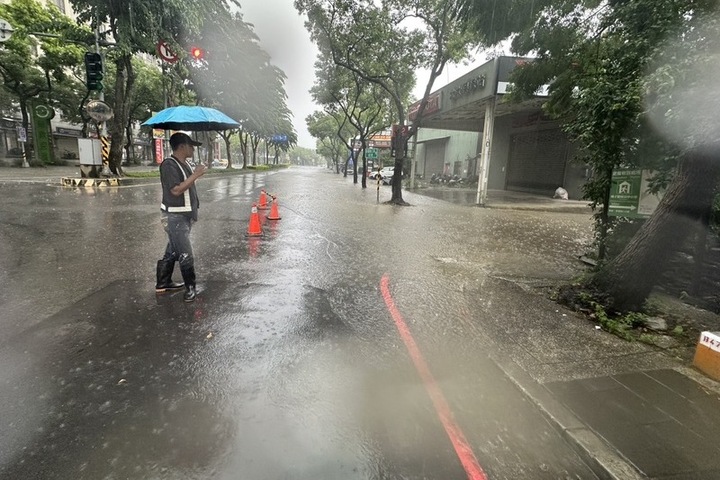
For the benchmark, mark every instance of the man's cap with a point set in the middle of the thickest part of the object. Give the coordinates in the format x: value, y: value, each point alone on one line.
x: 181, y: 138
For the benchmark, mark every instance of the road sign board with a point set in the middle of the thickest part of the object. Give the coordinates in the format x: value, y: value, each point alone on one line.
x: 5, y: 30
x: 163, y: 49
x: 21, y: 134
x: 629, y: 196
x: 371, y: 153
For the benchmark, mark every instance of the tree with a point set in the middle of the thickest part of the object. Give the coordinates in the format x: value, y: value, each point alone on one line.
x: 330, y: 132
x: 380, y: 43
x: 50, y: 76
x: 610, y: 68
x: 146, y: 97
x: 304, y: 156
x: 676, y: 104
x: 137, y: 26
x: 363, y: 105
x: 241, y: 81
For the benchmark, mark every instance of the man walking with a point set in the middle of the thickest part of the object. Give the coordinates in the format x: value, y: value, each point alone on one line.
x: 179, y: 211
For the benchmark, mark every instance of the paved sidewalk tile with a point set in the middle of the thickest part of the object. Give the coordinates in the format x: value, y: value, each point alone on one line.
x: 664, y: 423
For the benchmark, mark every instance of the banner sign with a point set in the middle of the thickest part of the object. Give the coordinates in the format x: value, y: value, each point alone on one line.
x: 42, y: 133
x: 159, y: 154
x: 629, y: 195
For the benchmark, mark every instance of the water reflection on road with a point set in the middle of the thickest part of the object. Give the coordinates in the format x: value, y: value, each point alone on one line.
x: 289, y: 364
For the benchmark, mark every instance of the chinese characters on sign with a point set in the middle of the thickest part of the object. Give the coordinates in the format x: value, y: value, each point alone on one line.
x: 433, y: 105
x: 629, y: 195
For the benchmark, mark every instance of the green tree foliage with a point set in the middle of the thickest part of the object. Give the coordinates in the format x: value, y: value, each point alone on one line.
x: 386, y: 42
x: 136, y: 26
x: 38, y: 68
x: 330, y: 132
x: 626, y: 77
x: 304, y: 156
x: 237, y: 76
x: 363, y: 105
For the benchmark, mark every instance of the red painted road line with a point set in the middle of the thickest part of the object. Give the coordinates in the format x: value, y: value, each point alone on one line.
x: 457, y: 438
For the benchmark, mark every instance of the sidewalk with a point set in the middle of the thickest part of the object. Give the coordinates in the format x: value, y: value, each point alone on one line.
x: 633, y: 411
x: 505, y: 199
x: 55, y: 174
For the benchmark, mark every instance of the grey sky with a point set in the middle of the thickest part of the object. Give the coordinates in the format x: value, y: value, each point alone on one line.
x: 283, y: 35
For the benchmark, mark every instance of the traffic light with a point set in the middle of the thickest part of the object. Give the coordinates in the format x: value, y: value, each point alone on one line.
x: 94, y: 71
x: 197, y: 53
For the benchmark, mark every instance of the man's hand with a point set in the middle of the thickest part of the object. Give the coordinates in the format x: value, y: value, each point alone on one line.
x: 200, y: 170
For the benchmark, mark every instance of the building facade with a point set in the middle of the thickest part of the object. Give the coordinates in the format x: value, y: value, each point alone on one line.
x: 469, y: 130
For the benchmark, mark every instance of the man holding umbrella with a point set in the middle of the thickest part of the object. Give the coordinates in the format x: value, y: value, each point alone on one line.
x: 179, y: 211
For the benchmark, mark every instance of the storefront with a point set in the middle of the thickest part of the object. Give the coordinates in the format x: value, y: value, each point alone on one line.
x: 516, y: 146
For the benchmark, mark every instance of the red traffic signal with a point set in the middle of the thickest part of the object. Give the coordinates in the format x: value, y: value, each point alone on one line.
x: 197, y: 53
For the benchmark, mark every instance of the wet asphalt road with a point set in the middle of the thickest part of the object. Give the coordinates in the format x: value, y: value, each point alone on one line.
x: 289, y: 365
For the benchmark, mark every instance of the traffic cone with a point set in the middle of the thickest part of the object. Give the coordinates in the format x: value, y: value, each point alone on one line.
x: 254, y: 228
x: 262, y: 202
x: 274, y: 214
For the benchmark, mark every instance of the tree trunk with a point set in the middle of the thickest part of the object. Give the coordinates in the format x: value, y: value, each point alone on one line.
x: 400, y: 147
x: 605, y: 217
x: 243, y: 147
x: 630, y: 277
x: 254, y: 143
x: 123, y: 94
x: 227, y: 149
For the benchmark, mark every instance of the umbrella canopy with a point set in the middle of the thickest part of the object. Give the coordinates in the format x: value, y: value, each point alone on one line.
x: 191, y: 118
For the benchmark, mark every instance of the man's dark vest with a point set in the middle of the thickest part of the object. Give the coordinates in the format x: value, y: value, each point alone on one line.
x: 171, y: 203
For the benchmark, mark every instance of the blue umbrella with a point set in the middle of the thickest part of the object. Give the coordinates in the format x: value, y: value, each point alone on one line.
x: 191, y: 118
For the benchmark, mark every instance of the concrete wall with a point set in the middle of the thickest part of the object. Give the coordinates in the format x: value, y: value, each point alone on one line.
x: 439, y: 149
x: 500, y: 153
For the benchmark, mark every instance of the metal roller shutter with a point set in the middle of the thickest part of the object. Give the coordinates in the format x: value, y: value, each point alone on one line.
x: 537, y: 161
x: 435, y: 156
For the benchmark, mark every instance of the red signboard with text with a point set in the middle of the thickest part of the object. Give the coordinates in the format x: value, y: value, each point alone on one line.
x: 159, y: 155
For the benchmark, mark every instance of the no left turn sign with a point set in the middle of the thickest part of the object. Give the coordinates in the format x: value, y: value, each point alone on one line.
x: 165, y: 53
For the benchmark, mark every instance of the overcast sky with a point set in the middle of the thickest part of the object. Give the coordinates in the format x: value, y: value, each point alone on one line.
x: 283, y: 35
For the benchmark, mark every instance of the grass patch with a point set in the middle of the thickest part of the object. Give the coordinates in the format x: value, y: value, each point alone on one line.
x: 630, y: 326
x: 213, y: 171
x: 152, y: 174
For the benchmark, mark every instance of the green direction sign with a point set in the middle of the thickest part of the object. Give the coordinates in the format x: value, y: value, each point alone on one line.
x: 42, y: 134
x: 371, y: 153
x: 629, y: 195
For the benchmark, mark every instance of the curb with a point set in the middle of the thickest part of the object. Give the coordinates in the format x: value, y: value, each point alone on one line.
x: 105, y: 182
x: 605, y: 461
x: 90, y: 182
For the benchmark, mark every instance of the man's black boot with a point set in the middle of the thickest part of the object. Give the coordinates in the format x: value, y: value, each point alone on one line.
x: 190, y: 293
x: 164, y: 278
x: 188, y: 274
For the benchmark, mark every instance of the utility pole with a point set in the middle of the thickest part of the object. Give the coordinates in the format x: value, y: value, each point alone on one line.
x: 103, y: 125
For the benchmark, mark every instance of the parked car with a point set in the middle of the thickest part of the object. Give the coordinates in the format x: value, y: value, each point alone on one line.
x: 373, y: 174
x: 386, y: 174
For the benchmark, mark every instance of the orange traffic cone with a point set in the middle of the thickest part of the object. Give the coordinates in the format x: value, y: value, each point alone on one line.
x: 274, y: 214
x: 254, y: 228
x: 262, y: 202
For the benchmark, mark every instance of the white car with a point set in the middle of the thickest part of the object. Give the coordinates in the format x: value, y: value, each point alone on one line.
x: 386, y: 174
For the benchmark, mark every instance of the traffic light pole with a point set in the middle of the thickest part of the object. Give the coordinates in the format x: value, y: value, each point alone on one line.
x: 103, y: 125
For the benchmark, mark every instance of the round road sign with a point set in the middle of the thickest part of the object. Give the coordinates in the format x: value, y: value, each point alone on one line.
x: 163, y: 49
x: 5, y: 30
